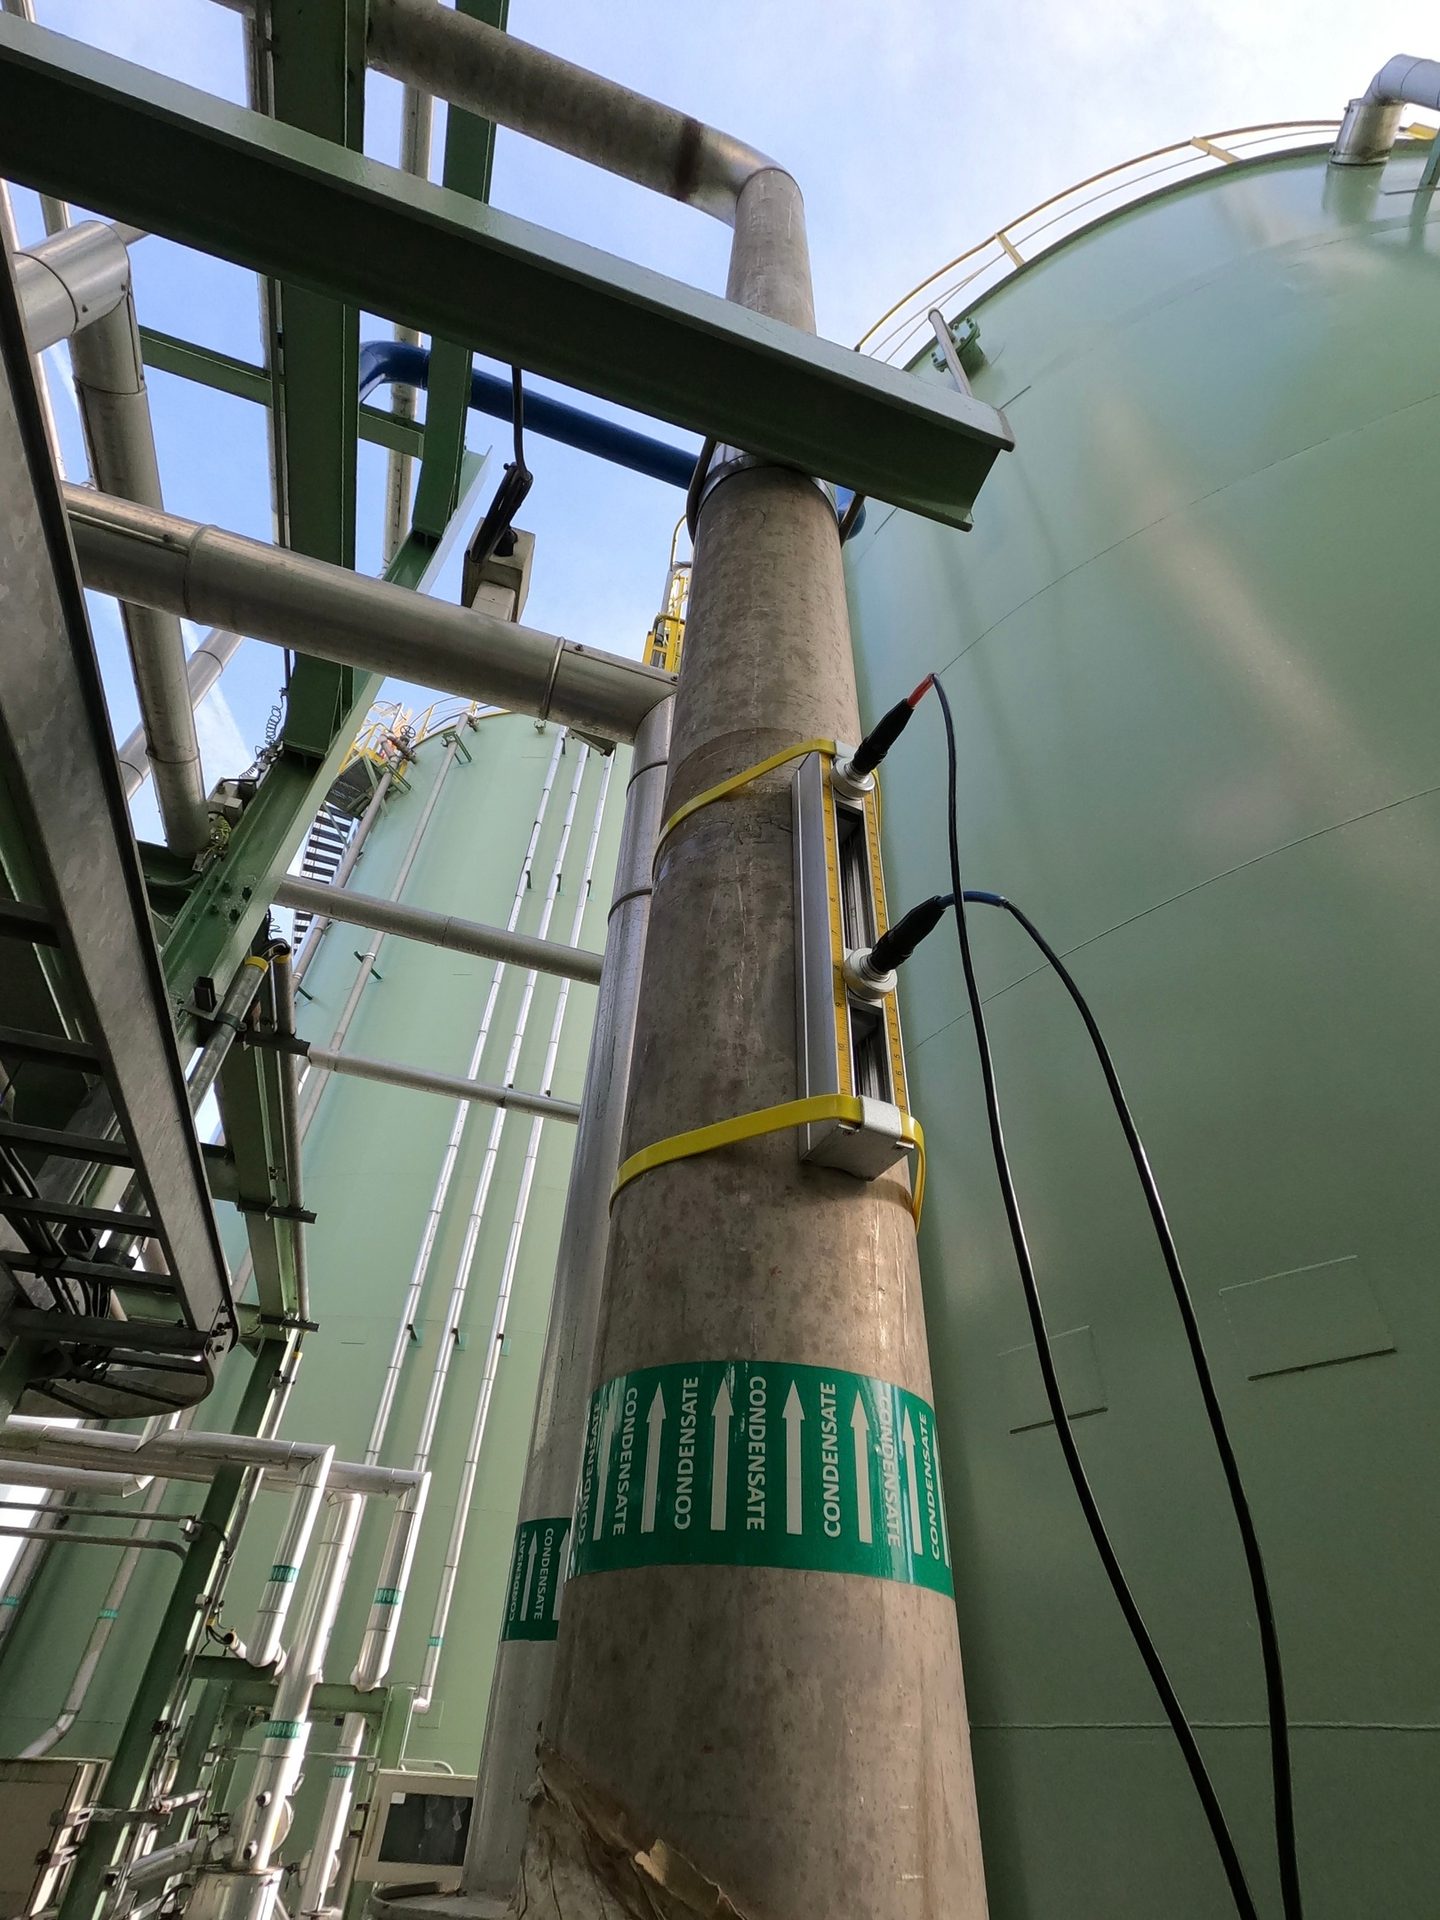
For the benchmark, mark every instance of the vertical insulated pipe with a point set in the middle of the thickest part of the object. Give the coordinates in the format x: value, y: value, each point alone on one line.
x: 115, y: 414
x: 380, y: 1631
x: 460, y: 1520
x: 340, y: 1790
x: 203, y: 668
x: 404, y: 1332
x: 794, y: 1742
x: 417, y: 122
x: 524, y: 1668
x: 267, y: 1636
x: 287, y: 1731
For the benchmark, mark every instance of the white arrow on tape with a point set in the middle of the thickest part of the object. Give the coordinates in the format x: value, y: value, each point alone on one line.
x: 602, y: 1466
x: 529, y: 1576
x: 654, y: 1421
x: 860, y: 1428
x: 794, y: 1413
x: 720, y: 1459
x: 908, y: 1434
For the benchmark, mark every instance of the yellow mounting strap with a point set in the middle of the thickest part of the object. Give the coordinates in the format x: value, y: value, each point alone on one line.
x: 739, y: 780
x: 845, y: 1107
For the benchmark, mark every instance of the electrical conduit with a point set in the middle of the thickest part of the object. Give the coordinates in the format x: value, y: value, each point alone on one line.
x: 456, y: 1545
x: 340, y: 1791
x: 379, y: 1641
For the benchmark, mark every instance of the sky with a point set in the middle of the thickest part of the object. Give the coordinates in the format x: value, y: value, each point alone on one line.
x: 915, y: 129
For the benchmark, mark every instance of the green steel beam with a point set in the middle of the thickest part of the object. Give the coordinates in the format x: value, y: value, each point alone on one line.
x: 469, y: 162
x: 249, y: 1095
x: 290, y: 205
x: 180, y: 1624
x: 245, y: 381
x: 316, y: 51
x: 211, y: 932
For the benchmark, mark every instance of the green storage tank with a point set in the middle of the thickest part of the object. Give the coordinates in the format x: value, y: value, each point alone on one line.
x: 521, y: 811
x: 1191, y: 650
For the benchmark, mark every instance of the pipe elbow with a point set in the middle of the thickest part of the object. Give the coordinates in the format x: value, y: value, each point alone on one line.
x: 1372, y: 119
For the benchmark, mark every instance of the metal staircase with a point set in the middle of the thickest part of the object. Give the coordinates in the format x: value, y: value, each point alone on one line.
x: 102, y: 1311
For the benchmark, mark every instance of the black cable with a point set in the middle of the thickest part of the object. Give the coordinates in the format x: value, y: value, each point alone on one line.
x: 1281, y: 1781
x: 697, y: 487
x: 1140, y: 1633
x: 517, y: 414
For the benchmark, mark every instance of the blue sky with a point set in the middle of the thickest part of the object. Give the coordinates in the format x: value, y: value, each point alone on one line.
x: 914, y: 129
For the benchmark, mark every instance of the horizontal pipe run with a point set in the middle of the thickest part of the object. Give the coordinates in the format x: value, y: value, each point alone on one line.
x: 398, y: 363
x: 72, y: 1536
x: 439, y: 929
x: 391, y: 1073
x: 222, y: 579
x: 203, y: 668
x: 534, y: 93
x: 70, y: 280
x: 29, y: 1473
x: 189, y: 1456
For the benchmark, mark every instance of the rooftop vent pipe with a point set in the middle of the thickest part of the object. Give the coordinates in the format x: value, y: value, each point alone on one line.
x: 1367, y: 133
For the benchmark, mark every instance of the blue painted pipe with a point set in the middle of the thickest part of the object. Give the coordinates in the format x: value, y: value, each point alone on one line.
x: 385, y: 363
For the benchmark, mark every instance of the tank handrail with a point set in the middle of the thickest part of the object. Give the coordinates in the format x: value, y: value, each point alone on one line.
x: 1204, y: 151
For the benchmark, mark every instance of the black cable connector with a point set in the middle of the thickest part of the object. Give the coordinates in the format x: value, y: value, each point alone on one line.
x: 895, y: 946
x: 883, y: 735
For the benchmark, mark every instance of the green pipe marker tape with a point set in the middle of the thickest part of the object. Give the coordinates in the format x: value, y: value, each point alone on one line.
x: 537, y: 1573
x: 762, y: 1464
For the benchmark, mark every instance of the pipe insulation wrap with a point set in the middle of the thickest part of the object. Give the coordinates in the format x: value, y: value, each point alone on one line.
x: 564, y: 106
x: 222, y: 579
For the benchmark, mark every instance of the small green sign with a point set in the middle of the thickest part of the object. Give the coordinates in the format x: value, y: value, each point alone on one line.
x: 537, y: 1573
x: 762, y: 1464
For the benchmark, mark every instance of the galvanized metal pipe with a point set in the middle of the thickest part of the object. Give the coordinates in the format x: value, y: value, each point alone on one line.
x: 520, y: 1689
x: 70, y: 281
x: 109, y: 371
x: 190, y: 1456
x: 460, y: 1519
x: 290, y: 600
x: 391, y: 1073
x: 439, y: 929
x: 10, y: 239
x: 76, y: 286
x: 202, y: 669
x: 1367, y: 133
x: 378, y: 1643
x: 417, y: 118
x: 533, y: 92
